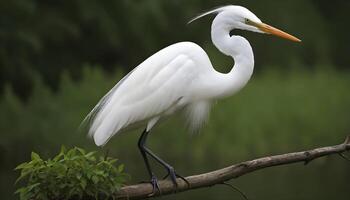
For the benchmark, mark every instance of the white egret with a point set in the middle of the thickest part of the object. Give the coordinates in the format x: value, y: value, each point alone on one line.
x: 179, y: 77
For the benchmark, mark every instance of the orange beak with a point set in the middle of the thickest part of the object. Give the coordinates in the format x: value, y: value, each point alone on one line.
x: 274, y: 31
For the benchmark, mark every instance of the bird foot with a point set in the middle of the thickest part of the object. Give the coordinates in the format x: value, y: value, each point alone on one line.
x: 173, y: 175
x: 155, y: 186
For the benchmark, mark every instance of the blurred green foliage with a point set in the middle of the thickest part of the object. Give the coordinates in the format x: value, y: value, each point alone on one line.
x: 72, y: 174
x: 50, y: 37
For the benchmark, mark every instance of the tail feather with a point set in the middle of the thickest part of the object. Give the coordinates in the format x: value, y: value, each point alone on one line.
x: 107, y: 129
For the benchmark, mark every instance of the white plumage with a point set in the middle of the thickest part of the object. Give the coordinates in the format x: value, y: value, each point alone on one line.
x: 179, y: 77
x: 159, y: 86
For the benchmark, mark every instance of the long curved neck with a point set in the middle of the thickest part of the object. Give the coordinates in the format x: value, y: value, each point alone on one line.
x: 240, y: 50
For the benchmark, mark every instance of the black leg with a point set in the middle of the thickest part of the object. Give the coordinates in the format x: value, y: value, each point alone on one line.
x: 141, y: 145
x: 171, y: 172
x: 170, y: 169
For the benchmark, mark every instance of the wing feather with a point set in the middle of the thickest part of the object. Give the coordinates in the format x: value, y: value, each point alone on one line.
x: 150, y: 90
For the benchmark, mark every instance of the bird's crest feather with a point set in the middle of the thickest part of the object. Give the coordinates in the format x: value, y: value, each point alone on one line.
x: 212, y: 11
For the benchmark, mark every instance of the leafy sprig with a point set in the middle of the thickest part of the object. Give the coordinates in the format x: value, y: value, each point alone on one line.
x: 72, y: 174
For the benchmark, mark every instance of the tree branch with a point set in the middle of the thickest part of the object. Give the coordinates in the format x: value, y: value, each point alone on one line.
x: 144, y: 190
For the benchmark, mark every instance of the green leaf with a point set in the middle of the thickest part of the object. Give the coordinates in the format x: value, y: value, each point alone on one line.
x: 24, y: 174
x: 63, y: 149
x: 31, y: 187
x: 21, y: 166
x: 21, y: 190
x: 90, y: 154
x: 35, y: 156
x: 82, y: 151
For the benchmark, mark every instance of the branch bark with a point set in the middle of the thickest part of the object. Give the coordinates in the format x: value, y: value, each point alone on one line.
x: 144, y: 190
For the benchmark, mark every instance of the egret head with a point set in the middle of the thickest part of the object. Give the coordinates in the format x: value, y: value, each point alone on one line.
x: 242, y: 18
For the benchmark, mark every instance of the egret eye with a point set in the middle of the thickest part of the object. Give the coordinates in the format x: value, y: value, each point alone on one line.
x: 248, y: 22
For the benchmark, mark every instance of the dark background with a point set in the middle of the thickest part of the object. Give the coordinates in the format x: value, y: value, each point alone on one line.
x: 57, y: 58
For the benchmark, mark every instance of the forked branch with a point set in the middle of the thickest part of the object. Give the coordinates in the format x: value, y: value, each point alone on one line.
x: 144, y: 190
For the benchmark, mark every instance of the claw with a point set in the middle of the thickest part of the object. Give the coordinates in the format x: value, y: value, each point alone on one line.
x: 155, y: 186
x: 173, y: 175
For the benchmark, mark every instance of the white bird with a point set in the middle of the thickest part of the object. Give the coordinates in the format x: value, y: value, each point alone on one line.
x: 179, y: 77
